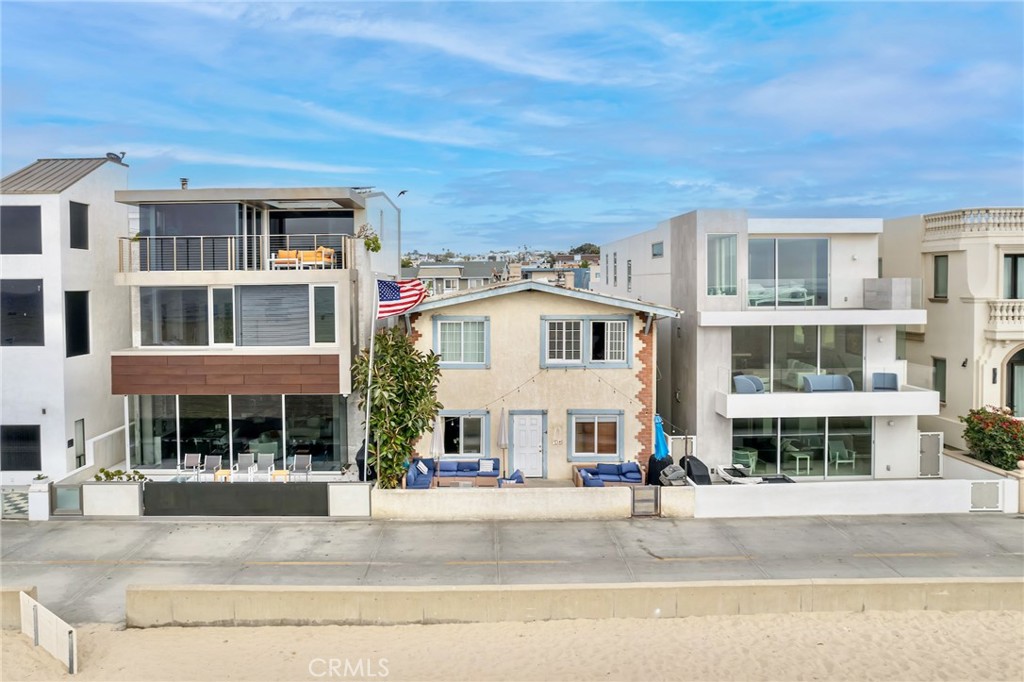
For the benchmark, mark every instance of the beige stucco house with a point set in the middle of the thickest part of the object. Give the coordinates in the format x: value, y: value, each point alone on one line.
x: 972, y: 351
x: 571, y: 373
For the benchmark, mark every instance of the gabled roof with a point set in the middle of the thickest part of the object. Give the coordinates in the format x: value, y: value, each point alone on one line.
x: 479, y: 268
x: 505, y: 288
x: 48, y: 176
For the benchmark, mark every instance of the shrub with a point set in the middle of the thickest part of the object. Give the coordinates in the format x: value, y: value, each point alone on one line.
x: 994, y: 436
x: 119, y: 475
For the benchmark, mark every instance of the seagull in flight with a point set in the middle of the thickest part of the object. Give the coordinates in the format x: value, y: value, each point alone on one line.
x: 402, y: 192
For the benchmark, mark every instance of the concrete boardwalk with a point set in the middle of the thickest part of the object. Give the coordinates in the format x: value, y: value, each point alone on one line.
x: 82, y: 567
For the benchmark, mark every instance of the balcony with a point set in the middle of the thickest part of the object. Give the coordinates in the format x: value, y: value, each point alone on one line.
x: 971, y: 222
x: 232, y: 253
x: 1005, y: 320
x: 906, y: 400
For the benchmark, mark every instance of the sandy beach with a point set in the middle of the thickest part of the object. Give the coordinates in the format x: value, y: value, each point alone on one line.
x: 920, y: 645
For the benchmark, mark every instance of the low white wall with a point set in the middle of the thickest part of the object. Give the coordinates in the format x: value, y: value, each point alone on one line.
x: 840, y: 498
x: 956, y: 465
x: 348, y: 499
x: 460, y: 504
x: 677, y: 502
x: 111, y: 499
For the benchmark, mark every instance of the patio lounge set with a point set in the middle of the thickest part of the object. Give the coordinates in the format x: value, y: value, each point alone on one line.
x: 425, y: 473
x: 289, y: 259
x: 248, y: 466
x: 607, y: 474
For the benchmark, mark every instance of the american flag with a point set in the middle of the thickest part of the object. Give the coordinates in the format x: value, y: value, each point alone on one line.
x: 395, y: 298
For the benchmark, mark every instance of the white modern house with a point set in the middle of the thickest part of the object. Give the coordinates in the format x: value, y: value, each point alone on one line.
x: 792, y: 360
x: 61, y: 313
x: 972, y: 263
x: 247, y: 306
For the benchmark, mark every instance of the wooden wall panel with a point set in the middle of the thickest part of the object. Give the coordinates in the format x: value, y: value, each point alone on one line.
x: 224, y: 374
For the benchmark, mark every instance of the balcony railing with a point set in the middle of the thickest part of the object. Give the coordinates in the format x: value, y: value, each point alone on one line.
x: 970, y: 221
x: 218, y: 253
x: 1006, y: 319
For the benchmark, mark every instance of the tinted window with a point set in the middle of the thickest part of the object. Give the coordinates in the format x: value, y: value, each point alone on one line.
x: 174, y: 316
x: 20, y: 230
x: 76, y: 323
x: 21, y: 312
x: 79, y: 226
x: 19, y: 448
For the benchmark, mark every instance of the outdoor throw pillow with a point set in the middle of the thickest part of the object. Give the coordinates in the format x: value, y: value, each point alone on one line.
x: 421, y: 467
x: 486, y: 465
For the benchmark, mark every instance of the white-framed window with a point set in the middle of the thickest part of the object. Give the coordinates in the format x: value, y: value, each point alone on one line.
x: 629, y: 275
x: 428, y: 284
x: 465, y: 433
x: 586, y: 342
x: 476, y: 282
x: 564, y: 341
x: 462, y: 342
x: 595, y: 435
x: 451, y: 284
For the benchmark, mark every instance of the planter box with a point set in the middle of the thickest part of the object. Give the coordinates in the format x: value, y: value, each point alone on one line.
x: 112, y: 498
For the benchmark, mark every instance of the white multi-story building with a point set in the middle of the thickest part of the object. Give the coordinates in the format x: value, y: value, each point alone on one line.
x: 788, y: 356
x: 247, y: 308
x: 972, y: 263
x: 61, y: 313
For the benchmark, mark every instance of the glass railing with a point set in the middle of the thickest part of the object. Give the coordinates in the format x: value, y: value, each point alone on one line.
x: 218, y: 253
x: 891, y: 293
x: 898, y: 375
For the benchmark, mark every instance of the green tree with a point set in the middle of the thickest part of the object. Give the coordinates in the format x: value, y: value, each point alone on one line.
x: 407, y: 262
x: 584, y: 263
x: 404, y: 400
x: 586, y: 248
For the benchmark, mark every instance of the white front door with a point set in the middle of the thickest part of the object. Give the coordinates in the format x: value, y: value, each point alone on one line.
x: 528, y: 444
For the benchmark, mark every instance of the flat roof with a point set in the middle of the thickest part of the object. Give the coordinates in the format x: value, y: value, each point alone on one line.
x: 269, y: 197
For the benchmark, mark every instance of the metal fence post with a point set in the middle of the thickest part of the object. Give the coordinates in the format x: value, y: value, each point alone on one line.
x: 35, y: 624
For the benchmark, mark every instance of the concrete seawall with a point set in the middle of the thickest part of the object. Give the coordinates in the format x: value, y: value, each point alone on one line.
x: 251, y: 605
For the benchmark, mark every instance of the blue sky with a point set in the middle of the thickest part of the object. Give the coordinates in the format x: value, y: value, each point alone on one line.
x: 544, y: 125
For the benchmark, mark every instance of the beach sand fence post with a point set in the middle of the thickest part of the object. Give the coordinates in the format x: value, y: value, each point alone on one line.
x: 50, y: 632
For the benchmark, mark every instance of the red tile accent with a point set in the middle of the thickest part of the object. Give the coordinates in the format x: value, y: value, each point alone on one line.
x: 646, y: 374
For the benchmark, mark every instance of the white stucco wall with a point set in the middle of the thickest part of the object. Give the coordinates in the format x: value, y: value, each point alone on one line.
x: 516, y: 381
x: 42, y: 378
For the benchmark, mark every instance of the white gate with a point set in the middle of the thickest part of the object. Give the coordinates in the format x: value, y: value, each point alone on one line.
x: 682, y: 446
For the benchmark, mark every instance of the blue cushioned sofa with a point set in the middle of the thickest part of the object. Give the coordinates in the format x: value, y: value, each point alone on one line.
x: 414, y: 479
x: 607, y: 474
x: 827, y: 382
x: 456, y: 471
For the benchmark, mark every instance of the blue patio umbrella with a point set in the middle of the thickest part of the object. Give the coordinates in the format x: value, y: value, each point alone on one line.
x: 660, y: 441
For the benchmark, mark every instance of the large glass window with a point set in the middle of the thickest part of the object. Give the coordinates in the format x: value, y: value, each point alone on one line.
x: 203, y: 423
x: 721, y: 265
x: 20, y: 230
x: 939, y: 377
x: 1013, y: 276
x: 462, y: 341
x: 788, y: 272
x: 20, y: 448
x: 317, y: 424
x: 464, y: 435
x: 79, y: 443
x: 595, y: 436
x: 272, y: 315
x: 323, y: 315
x: 153, y: 431
x: 940, y: 277
x: 21, y: 312
x: 174, y: 316
x: 805, y: 446
x: 79, y: 225
x: 795, y: 356
x: 223, y: 316
x: 76, y: 323
x: 751, y: 353
x: 256, y: 426
x: 842, y: 352
x: 191, y: 236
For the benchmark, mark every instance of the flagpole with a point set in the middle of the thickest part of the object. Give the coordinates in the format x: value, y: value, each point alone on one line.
x: 369, y: 380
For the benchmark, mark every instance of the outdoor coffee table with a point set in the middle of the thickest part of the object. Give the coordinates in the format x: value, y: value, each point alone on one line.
x: 279, y: 475
x: 222, y: 475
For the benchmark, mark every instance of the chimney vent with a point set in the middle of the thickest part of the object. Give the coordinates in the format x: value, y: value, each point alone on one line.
x: 184, y: 183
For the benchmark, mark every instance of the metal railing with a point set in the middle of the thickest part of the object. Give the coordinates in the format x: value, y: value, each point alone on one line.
x: 231, y: 252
